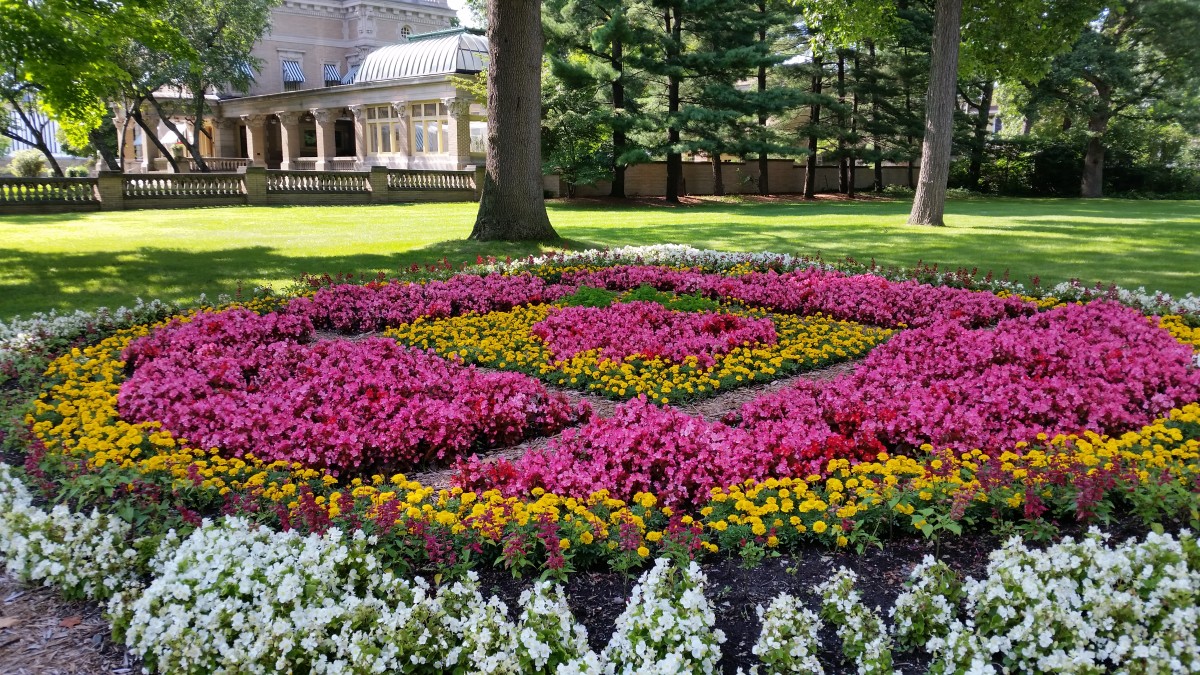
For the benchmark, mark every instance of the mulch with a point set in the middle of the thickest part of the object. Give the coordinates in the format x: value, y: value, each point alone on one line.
x: 42, y: 634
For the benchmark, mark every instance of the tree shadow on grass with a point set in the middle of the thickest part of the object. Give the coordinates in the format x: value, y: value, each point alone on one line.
x: 35, y: 282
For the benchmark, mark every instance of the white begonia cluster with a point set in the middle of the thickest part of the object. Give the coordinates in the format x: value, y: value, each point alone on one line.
x: 687, y: 256
x: 667, y: 627
x: 928, y: 605
x: 483, y: 639
x: 788, y: 643
x: 548, y: 635
x: 864, y: 636
x: 20, y: 335
x: 86, y: 557
x: 236, y: 597
x: 1082, y: 607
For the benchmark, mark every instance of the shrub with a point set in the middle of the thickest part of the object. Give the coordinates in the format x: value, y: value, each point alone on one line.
x: 28, y: 163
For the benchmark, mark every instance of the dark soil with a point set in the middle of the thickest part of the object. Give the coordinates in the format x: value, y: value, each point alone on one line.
x: 735, y: 591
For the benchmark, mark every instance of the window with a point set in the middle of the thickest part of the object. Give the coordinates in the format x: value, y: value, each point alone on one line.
x: 381, y: 124
x: 478, y: 137
x: 293, y: 75
x: 332, y: 76
x: 430, y: 128
x: 405, y: 32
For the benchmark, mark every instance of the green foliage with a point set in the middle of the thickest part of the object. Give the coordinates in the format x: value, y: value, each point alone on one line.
x: 28, y: 163
x: 590, y: 296
x: 576, y: 138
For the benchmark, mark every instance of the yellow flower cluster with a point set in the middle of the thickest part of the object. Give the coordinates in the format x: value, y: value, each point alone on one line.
x: 1174, y: 324
x: 503, y: 340
x: 1042, y: 303
x: 76, y: 416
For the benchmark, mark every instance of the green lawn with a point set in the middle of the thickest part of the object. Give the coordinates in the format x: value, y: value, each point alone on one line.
x: 86, y: 260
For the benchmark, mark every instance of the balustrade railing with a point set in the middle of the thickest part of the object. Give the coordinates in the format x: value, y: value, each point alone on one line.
x: 184, y: 185
x: 318, y: 181
x: 48, y: 191
x: 424, y: 179
x: 218, y: 164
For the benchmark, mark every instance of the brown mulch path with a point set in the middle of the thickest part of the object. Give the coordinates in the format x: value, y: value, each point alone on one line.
x: 713, y: 409
x: 42, y: 634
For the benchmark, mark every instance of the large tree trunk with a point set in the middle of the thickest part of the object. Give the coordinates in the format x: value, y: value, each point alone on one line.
x: 1093, y: 159
x: 764, y: 181
x: 929, y: 206
x: 618, y: 101
x: 843, y: 158
x: 97, y: 140
x: 718, y: 175
x: 810, y: 166
x: 979, y: 141
x: 512, y: 207
x: 674, y: 158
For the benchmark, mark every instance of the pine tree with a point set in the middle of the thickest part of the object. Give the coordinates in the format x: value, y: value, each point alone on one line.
x: 590, y: 44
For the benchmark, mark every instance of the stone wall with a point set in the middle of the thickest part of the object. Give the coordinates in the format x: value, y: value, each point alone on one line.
x: 785, y: 176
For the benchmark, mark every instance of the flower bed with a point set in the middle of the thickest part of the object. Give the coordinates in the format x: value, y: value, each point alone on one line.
x: 253, y: 385
x: 980, y: 410
x: 507, y: 340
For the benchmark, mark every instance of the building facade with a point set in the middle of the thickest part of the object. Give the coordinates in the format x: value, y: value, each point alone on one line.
x: 343, y: 85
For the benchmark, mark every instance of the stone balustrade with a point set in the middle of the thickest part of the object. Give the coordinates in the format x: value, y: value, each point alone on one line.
x: 249, y: 185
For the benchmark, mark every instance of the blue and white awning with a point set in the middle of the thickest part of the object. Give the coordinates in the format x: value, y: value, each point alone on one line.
x: 292, y: 72
x: 246, y: 69
x: 331, y: 73
x: 351, y: 75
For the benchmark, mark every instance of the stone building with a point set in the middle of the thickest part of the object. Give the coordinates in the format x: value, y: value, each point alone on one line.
x: 344, y: 84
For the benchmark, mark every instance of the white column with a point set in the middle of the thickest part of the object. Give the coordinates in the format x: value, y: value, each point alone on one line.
x: 360, y: 135
x: 459, y: 134
x: 149, y: 149
x: 290, y: 139
x: 326, y: 141
x: 400, y: 133
x: 256, y: 138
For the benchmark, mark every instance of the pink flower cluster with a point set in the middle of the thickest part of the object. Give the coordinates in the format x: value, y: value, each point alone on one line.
x: 1100, y: 367
x: 641, y: 448
x: 373, y: 306
x: 864, y: 298
x: 250, y: 384
x: 649, y: 330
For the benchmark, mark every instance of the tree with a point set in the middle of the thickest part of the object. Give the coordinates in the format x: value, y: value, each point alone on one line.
x: 56, y: 58
x: 207, y: 51
x: 929, y: 205
x: 717, y: 116
x: 21, y: 102
x: 576, y: 138
x: 588, y: 41
x: 511, y: 207
x: 1136, y: 61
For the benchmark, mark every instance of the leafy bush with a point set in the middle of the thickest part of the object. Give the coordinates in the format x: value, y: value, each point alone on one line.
x: 77, y: 172
x: 28, y: 164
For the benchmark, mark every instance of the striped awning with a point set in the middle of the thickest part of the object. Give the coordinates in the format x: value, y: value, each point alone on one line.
x: 246, y: 69
x: 351, y: 75
x: 292, y: 72
x: 331, y: 73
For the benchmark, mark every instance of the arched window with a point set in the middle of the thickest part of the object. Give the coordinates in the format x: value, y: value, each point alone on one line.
x: 406, y: 31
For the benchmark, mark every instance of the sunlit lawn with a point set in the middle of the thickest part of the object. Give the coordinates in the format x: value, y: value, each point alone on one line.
x: 87, y: 260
